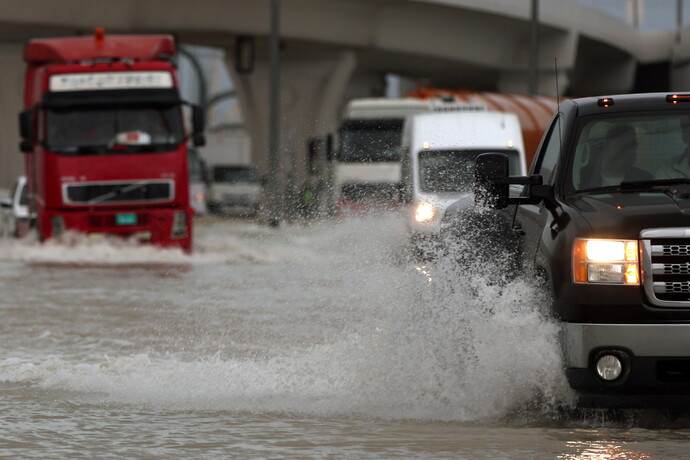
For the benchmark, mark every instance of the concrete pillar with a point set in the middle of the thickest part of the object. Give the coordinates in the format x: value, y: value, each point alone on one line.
x: 613, y: 74
x: 518, y: 82
x: 680, y: 62
x: 11, y: 101
x: 553, y: 44
x: 312, y: 90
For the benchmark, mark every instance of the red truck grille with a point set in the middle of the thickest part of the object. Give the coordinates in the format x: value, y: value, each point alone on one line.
x: 94, y: 193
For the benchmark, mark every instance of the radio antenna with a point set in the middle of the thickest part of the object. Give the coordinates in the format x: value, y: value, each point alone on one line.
x: 558, y: 106
x: 558, y: 96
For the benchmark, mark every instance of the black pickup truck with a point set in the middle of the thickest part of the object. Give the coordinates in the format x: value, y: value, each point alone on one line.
x: 604, y: 219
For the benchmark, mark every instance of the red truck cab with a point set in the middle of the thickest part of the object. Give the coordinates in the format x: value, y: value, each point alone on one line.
x: 105, y: 141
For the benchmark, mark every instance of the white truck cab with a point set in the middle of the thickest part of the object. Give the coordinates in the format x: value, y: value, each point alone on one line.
x: 439, y: 152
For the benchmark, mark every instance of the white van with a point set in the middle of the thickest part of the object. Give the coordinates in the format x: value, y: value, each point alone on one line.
x: 366, y: 170
x: 15, y: 218
x: 235, y: 190
x: 439, y: 151
x: 367, y: 167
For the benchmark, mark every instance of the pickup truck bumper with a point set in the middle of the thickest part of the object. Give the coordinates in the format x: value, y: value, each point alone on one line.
x: 655, y: 357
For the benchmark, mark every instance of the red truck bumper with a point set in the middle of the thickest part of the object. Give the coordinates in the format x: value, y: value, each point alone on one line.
x: 160, y: 227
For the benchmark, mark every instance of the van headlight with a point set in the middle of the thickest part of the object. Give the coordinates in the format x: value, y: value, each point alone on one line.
x: 600, y: 261
x: 424, y: 212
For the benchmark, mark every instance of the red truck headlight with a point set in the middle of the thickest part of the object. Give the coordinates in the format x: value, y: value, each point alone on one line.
x: 601, y: 261
x: 179, y: 225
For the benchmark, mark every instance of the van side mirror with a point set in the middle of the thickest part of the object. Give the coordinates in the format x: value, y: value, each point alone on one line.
x: 330, y: 154
x: 198, y: 122
x: 26, y: 130
x: 199, y: 140
x: 491, y: 186
x: 314, y: 147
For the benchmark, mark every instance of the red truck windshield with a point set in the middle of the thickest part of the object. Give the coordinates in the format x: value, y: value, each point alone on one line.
x: 100, y: 130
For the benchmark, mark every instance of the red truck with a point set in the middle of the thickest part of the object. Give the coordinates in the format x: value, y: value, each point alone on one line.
x: 104, y: 139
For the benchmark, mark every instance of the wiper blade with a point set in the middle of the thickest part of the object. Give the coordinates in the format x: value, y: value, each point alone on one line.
x: 636, y: 185
x: 607, y: 188
x: 654, y: 183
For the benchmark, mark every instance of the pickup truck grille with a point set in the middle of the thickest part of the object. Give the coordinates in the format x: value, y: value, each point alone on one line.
x: 95, y: 193
x: 666, y: 266
x: 671, y: 250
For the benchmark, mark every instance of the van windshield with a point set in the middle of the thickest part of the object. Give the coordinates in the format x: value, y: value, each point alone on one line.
x: 453, y: 170
x: 235, y: 175
x: 619, y: 149
x: 370, y: 140
x: 85, y: 131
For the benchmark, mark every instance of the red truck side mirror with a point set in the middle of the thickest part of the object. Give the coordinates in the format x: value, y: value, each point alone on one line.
x: 26, y: 130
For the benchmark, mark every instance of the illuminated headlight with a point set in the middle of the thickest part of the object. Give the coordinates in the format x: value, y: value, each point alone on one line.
x: 606, y: 261
x: 424, y: 212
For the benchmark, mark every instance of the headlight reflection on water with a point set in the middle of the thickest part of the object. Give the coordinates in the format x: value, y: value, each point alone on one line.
x: 600, y: 450
x: 424, y: 270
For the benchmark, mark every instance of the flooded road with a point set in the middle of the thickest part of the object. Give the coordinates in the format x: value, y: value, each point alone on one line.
x: 320, y: 341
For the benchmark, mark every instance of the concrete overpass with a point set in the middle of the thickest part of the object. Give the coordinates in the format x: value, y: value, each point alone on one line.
x: 336, y: 49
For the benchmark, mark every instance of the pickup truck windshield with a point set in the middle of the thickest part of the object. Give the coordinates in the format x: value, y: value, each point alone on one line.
x: 631, y: 152
x: 453, y: 170
x: 86, y: 131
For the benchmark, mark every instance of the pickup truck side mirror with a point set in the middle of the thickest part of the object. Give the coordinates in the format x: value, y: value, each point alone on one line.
x: 491, y: 180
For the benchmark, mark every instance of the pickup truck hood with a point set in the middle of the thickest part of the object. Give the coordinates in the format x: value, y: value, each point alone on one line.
x: 624, y: 214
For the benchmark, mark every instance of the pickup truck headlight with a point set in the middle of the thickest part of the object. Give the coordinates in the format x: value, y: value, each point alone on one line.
x: 601, y: 261
x: 424, y: 212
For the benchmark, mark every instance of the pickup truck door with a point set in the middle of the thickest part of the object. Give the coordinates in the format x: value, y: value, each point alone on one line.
x: 533, y: 221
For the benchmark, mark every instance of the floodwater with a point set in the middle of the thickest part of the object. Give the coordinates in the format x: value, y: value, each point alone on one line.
x: 318, y: 341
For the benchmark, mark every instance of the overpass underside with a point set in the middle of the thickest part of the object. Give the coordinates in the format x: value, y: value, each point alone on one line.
x: 333, y: 50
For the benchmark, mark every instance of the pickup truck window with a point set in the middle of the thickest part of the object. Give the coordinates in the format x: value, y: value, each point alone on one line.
x: 453, y: 170
x: 547, y: 161
x: 611, y: 150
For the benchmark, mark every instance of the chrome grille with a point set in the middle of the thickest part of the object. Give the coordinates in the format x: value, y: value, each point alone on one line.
x: 95, y: 193
x: 666, y: 266
x: 671, y: 250
x: 671, y: 269
x: 679, y: 287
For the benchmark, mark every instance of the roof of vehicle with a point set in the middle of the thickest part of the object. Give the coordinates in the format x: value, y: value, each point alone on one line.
x: 619, y: 103
x: 70, y: 49
x: 535, y: 112
x: 464, y: 129
x: 384, y: 107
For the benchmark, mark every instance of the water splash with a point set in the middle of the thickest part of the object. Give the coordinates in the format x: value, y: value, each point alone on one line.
x: 438, y: 343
